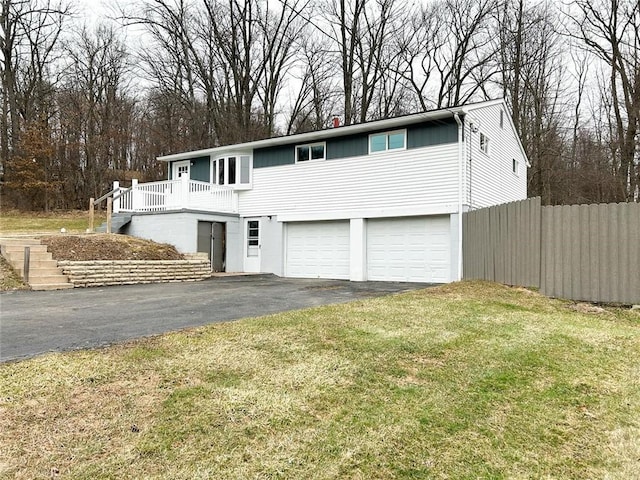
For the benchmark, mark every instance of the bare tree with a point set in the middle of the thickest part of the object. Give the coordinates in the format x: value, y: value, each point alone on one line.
x: 418, y: 44
x: 96, y: 111
x: 29, y: 35
x: 361, y: 32
x: 447, y: 52
x: 532, y: 76
x: 316, y: 99
x: 463, y: 64
x: 610, y: 29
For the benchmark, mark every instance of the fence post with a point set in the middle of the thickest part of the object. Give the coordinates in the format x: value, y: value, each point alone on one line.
x: 27, y: 261
x: 91, y: 214
x: 184, y: 191
x: 116, y: 191
x: 135, y: 194
x: 109, y: 212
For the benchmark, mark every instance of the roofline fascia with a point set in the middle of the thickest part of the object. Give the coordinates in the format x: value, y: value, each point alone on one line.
x: 318, y: 135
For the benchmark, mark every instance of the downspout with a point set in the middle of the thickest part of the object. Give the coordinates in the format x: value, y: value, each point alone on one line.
x: 460, y: 190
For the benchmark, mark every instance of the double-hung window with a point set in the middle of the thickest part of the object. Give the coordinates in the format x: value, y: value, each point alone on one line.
x: 312, y: 151
x: 484, y: 143
x: 234, y: 170
x: 381, y: 142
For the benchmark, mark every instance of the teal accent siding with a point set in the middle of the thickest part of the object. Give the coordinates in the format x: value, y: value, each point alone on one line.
x: 274, y: 156
x: 432, y: 133
x: 351, y: 146
x: 200, y: 168
x: 421, y: 135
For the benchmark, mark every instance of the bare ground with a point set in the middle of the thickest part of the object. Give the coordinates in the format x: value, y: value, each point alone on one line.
x: 108, y: 247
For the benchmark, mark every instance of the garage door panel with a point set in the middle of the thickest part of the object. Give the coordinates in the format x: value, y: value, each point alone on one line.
x: 318, y: 250
x: 409, y: 249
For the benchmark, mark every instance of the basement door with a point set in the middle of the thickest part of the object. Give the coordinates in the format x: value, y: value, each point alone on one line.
x: 211, y: 240
x: 317, y: 250
x: 412, y: 249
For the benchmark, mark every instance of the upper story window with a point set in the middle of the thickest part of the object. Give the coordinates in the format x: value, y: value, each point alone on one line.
x: 313, y: 151
x: 234, y: 170
x: 514, y: 166
x: 484, y: 143
x: 501, y: 119
x: 381, y: 142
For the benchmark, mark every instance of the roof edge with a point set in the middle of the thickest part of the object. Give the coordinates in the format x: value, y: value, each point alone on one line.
x: 319, y: 135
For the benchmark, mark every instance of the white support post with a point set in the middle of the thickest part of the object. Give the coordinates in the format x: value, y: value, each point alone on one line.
x: 116, y: 191
x: 184, y: 191
x: 358, y: 250
x: 136, y: 199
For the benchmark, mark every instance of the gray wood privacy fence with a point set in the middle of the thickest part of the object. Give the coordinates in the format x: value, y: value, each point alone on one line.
x: 581, y: 252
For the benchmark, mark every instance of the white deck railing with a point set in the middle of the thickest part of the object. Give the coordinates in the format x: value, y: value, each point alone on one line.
x: 175, y: 195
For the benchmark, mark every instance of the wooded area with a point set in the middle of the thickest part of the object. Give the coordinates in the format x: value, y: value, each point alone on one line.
x: 84, y: 105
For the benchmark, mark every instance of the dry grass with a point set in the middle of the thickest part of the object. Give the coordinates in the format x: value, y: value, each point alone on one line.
x: 9, y: 279
x: 75, y: 221
x: 108, y: 247
x: 471, y: 380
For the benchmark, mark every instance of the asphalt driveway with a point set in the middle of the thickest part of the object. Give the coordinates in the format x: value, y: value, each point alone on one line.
x: 32, y: 323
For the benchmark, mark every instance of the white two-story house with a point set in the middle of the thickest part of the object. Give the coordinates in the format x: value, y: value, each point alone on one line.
x: 380, y: 200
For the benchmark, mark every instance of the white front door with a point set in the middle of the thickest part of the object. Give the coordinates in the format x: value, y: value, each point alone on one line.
x: 252, y: 244
x: 181, y: 169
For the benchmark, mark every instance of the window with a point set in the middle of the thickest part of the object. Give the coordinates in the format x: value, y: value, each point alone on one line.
x: 314, y: 151
x: 484, y: 143
x: 381, y: 142
x: 514, y: 166
x: 501, y: 119
x: 253, y: 237
x: 232, y: 170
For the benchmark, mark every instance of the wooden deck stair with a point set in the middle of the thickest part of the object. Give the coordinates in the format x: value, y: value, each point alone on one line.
x: 44, y: 273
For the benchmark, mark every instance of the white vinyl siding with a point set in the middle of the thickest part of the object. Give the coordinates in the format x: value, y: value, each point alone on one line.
x: 317, y: 250
x: 401, y: 179
x: 490, y: 179
x: 414, y: 249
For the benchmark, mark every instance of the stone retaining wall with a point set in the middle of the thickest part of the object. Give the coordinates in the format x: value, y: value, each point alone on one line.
x: 100, y: 273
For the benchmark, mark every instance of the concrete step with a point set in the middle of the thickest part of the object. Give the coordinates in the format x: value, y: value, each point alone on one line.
x: 33, y: 256
x: 19, y: 241
x: 37, y: 264
x: 34, y: 272
x: 36, y: 279
x: 19, y: 248
x: 118, y: 220
x: 52, y: 286
x: 44, y: 273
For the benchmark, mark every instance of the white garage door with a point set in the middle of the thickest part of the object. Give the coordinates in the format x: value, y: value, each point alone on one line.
x: 409, y: 249
x: 318, y: 250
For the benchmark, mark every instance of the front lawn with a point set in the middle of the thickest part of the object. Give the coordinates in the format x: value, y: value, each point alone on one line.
x: 469, y: 380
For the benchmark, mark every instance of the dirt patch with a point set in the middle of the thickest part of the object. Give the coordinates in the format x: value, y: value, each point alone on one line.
x: 587, y: 308
x: 108, y: 247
